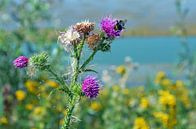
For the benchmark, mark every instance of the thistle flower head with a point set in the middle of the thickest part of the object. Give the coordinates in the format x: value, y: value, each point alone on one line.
x: 39, y: 61
x: 90, y: 87
x: 93, y: 40
x: 84, y: 27
x: 21, y: 62
x: 109, y: 26
x: 68, y: 38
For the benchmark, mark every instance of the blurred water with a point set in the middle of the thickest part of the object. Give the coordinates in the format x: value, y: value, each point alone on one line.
x: 145, y: 50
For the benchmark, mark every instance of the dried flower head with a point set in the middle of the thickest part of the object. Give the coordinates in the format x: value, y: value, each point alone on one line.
x: 90, y: 86
x: 68, y: 38
x: 93, y: 40
x: 111, y: 27
x: 21, y: 62
x: 84, y: 27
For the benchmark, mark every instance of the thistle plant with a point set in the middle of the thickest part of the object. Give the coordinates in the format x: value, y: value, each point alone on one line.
x: 73, y: 41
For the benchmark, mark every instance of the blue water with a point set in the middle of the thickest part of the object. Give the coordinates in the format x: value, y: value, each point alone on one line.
x: 145, y: 50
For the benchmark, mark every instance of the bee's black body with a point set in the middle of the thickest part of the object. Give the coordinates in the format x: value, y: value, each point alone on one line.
x: 120, y: 25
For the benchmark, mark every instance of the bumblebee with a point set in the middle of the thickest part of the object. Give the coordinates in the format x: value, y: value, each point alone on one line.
x: 120, y: 25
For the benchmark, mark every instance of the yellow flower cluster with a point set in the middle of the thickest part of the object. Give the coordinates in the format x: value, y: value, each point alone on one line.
x: 159, y: 77
x: 3, y: 120
x: 140, y: 123
x: 166, y: 98
x: 31, y: 86
x: 182, y: 93
x: 166, y: 82
x: 96, y: 106
x: 52, y: 84
x: 125, y: 91
x: 144, y: 103
x: 163, y: 117
x: 29, y: 106
x: 121, y: 70
x: 39, y: 111
x: 20, y: 95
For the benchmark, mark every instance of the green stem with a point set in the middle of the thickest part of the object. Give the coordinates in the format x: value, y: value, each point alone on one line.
x: 69, y: 114
x: 60, y: 80
x: 89, y: 59
x: 73, y: 100
x: 77, y: 58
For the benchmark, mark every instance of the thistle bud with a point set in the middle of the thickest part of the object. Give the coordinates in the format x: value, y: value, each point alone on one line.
x: 40, y: 61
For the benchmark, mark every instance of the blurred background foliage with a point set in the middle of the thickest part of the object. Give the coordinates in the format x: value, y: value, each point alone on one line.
x: 27, y: 103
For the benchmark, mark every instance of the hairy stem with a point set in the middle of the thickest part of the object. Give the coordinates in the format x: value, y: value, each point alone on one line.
x: 77, y: 59
x: 60, y: 80
x: 69, y: 114
x: 73, y: 98
x: 89, y: 59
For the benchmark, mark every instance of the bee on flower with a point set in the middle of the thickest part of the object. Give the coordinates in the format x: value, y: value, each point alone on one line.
x: 112, y: 27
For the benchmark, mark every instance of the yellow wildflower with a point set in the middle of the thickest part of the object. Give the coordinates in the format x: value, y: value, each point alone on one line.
x: 116, y: 88
x: 20, y: 95
x: 166, y: 82
x: 144, y: 103
x: 163, y: 117
x: 29, y: 106
x: 59, y: 108
x: 31, y: 86
x: 121, y: 70
x: 182, y: 93
x: 3, y: 120
x: 132, y: 102
x: 52, y: 84
x: 61, y: 122
x: 39, y: 111
x: 179, y: 84
x: 104, y: 92
x: 65, y: 112
x: 140, y: 123
x: 166, y: 98
x: 160, y: 75
x: 125, y: 91
x: 96, y: 106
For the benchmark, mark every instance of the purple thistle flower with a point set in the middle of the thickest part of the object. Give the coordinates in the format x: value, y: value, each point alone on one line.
x: 90, y: 87
x: 108, y: 26
x: 21, y: 62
